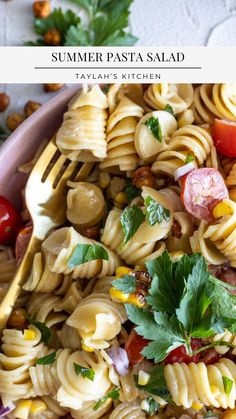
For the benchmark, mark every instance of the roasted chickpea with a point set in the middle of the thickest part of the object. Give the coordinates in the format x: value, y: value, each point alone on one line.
x: 229, y: 414
x: 4, y: 101
x: 91, y: 232
x: 52, y: 87
x: 14, y: 120
x: 17, y: 319
x: 41, y: 9
x: 31, y: 107
x: 143, y: 176
x: 52, y: 37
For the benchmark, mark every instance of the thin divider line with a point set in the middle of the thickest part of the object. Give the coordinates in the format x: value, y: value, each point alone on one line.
x: 118, y: 68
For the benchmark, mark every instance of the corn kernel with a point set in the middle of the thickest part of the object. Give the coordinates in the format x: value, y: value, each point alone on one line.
x: 143, y: 378
x: 133, y: 299
x: 123, y: 270
x: 197, y: 406
x: 24, y: 404
x: 37, y: 406
x: 22, y: 409
x: 121, y: 198
x: 87, y: 348
x: 29, y: 334
x: 140, y: 268
x: 118, y: 295
x: 221, y: 209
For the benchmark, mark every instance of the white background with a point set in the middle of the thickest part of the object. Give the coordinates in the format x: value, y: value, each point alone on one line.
x: 155, y: 22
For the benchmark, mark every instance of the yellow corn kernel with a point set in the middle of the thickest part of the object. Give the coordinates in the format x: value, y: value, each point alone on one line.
x: 197, y: 406
x: 22, y: 409
x: 221, y: 209
x: 123, y: 270
x: 140, y: 268
x: 121, y: 198
x: 133, y: 299
x: 24, y: 404
x: 87, y: 348
x: 37, y: 406
x: 118, y: 295
x: 29, y: 334
x: 143, y: 378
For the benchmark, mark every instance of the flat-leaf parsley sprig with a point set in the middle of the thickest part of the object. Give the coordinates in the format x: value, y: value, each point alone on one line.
x: 184, y: 301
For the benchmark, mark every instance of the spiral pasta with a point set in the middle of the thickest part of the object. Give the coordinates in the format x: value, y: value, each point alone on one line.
x: 228, y: 337
x: 87, y: 411
x: 7, y: 269
x: 128, y: 410
x: 98, y: 320
x: 214, y: 100
x: 223, y: 233
x: 43, y: 308
x: 19, y: 351
x: 59, y: 246
x: 200, y: 383
x: 74, y: 389
x: 181, y: 232
x: 82, y: 133
x: 121, y: 126
x: 190, y: 139
x: 178, y: 96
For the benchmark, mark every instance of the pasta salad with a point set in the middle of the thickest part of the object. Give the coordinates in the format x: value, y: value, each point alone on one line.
x: 129, y: 308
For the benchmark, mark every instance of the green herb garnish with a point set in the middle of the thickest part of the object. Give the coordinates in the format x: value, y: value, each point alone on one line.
x: 211, y: 414
x: 168, y: 108
x: 126, y: 284
x: 85, y: 372
x: 3, y: 133
x: 46, y: 334
x: 131, y: 219
x: 105, y: 24
x: 132, y: 192
x: 154, y: 125
x: 228, y: 384
x: 156, y: 384
x: 48, y: 359
x: 189, y: 158
x: 113, y: 394
x: 84, y: 253
x: 151, y: 406
x: 156, y: 213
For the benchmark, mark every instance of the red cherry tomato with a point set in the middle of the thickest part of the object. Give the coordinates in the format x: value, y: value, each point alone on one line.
x: 180, y: 355
x: 202, y: 189
x: 22, y: 241
x: 226, y: 274
x: 224, y: 137
x: 10, y: 221
x: 209, y: 357
x: 134, y: 347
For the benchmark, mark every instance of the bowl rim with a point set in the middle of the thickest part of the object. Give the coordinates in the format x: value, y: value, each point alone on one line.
x: 26, y: 124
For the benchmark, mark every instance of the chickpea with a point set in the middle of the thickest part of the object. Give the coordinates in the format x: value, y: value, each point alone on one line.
x: 14, y: 120
x: 229, y: 414
x: 143, y: 176
x: 91, y: 232
x: 31, y: 107
x: 116, y: 185
x: 41, y: 9
x: 52, y: 37
x: 4, y: 101
x: 52, y: 87
x: 17, y: 319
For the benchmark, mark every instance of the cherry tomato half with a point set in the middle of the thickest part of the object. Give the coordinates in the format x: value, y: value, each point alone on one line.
x: 201, y: 190
x: 224, y: 137
x: 10, y: 221
x: 134, y: 347
x: 180, y: 355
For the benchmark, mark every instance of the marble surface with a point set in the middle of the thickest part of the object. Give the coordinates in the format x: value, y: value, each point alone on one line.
x: 155, y: 22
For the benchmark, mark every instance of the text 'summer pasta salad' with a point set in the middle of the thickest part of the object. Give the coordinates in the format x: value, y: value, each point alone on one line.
x: 129, y: 308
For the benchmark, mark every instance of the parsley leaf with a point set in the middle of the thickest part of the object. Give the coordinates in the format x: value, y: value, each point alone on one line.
x: 189, y: 158
x: 228, y: 384
x: 3, y: 133
x: 84, y: 253
x: 156, y: 213
x: 154, y: 125
x: 114, y: 394
x: 168, y: 108
x: 46, y: 334
x: 131, y: 219
x: 132, y: 192
x: 156, y: 384
x: 212, y: 415
x: 85, y: 372
x: 48, y: 359
x: 150, y: 406
x: 127, y: 284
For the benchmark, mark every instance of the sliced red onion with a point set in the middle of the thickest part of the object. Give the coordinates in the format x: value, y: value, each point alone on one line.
x: 120, y: 359
x: 5, y: 410
x: 183, y: 170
